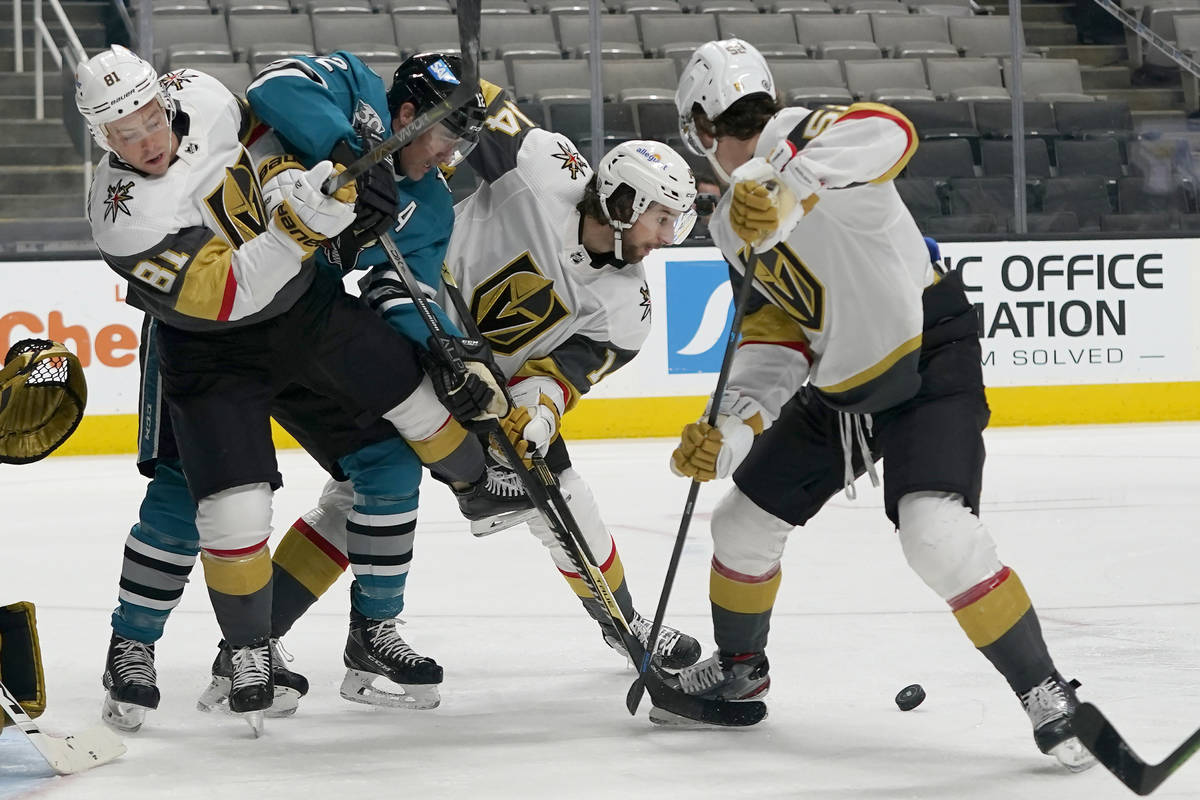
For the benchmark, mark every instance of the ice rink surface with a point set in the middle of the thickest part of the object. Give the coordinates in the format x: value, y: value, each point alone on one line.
x: 1100, y: 522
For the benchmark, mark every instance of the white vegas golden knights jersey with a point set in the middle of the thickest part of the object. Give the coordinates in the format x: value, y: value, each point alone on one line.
x: 844, y: 290
x: 543, y: 305
x: 174, y: 237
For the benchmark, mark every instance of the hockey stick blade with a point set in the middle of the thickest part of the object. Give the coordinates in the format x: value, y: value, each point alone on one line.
x: 1099, y: 736
x: 66, y: 756
x: 723, y: 713
x: 468, y: 35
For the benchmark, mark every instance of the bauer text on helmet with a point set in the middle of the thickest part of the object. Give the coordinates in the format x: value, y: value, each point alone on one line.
x: 719, y: 74
x: 120, y: 97
x: 663, y: 193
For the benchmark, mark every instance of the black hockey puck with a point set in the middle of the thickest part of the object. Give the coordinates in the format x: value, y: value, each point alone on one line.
x: 910, y: 697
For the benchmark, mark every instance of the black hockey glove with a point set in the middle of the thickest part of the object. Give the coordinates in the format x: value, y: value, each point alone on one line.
x: 376, y: 207
x: 473, y: 394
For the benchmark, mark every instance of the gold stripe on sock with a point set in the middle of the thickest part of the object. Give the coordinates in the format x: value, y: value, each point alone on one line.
x: 614, y: 575
x: 740, y: 596
x: 991, y: 616
x: 441, y: 444
x: 303, y: 560
x: 237, y: 576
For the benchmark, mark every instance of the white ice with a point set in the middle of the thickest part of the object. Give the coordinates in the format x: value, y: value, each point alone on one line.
x: 1100, y: 522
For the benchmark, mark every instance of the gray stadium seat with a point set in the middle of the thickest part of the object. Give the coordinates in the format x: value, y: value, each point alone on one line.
x: 1159, y: 16
x: 358, y: 33
x: 417, y: 6
x: 235, y: 75
x: 912, y: 36
x: 533, y: 80
x: 322, y: 7
x: 504, y: 8
x: 996, y: 157
x: 966, y: 79
x: 664, y: 34
x: 798, y: 7
x: 416, y: 32
x: 257, y: 36
x: 982, y: 36
x: 1049, y: 79
x: 726, y: 7
x: 758, y: 29
x: 257, y: 7
x: 839, y: 36
x: 636, y: 79
x: 610, y: 50
x: 887, y: 79
x: 1085, y: 195
x: 942, y: 158
x: 1187, y: 38
x: 506, y: 30
x: 1089, y: 157
x: 184, y: 38
x: 810, y: 83
x: 615, y: 28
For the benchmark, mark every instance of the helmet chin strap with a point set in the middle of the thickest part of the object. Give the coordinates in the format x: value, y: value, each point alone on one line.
x: 718, y: 170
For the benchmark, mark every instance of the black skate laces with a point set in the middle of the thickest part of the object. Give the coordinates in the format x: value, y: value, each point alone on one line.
x: 251, y: 665
x: 389, y: 644
x: 134, y: 662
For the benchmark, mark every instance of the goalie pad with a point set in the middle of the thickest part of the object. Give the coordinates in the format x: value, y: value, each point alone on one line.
x: 21, y: 659
x: 42, y: 397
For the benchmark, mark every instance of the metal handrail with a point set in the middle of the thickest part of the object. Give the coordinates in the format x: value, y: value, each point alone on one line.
x: 42, y: 36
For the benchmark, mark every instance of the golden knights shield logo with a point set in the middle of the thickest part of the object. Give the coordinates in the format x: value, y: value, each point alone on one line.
x: 790, y: 283
x: 516, y: 306
x: 237, y: 205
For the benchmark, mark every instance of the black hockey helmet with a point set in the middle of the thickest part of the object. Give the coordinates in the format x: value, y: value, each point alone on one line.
x: 426, y: 79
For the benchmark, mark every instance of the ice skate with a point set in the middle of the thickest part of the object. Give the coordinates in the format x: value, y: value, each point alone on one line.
x: 495, y: 502
x: 289, y: 686
x: 675, y: 649
x: 725, y: 678
x: 252, y: 688
x: 130, y: 679
x: 374, y: 649
x: 1050, y: 706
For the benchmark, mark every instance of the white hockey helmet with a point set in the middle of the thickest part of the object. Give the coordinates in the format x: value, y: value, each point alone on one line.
x: 719, y: 74
x: 114, y: 84
x: 657, y: 174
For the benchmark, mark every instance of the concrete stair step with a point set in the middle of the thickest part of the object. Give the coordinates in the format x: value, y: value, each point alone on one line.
x: 23, y: 106
x: 1146, y: 99
x: 1046, y: 12
x: 39, y: 155
x: 80, y: 13
x: 31, y: 181
x: 47, y: 131
x: 23, y: 82
x: 1091, y: 55
x: 1100, y: 78
x: 18, y: 206
x: 8, y: 62
x: 1047, y: 33
x: 64, y: 236
x: 1159, y: 121
x: 90, y: 34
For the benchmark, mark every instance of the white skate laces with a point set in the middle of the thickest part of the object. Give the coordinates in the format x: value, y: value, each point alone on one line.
x: 701, y: 677
x: 389, y: 644
x: 134, y: 663
x: 503, y: 482
x: 1047, y: 703
x: 667, y: 636
x: 251, y: 666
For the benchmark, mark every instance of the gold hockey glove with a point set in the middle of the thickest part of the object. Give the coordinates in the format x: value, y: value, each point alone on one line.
x: 531, y: 426
x: 42, y: 397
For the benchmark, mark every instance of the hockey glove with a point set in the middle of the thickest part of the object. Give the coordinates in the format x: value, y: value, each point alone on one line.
x: 377, y: 205
x: 320, y: 214
x: 473, y: 395
x: 21, y: 659
x: 42, y: 397
x: 770, y: 196
x: 533, y: 423
x: 705, y: 452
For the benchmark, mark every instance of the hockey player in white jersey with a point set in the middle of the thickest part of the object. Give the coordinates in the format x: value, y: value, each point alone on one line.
x: 854, y: 348
x: 247, y: 326
x: 548, y: 256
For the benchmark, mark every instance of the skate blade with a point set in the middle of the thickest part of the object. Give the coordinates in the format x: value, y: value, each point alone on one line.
x: 357, y: 687
x: 216, y: 698
x: 667, y: 719
x: 124, y: 717
x: 256, y: 720
x: 500, y: 522
x: 1073, y: 755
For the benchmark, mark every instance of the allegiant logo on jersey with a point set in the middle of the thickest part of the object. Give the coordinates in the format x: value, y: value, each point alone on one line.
x: 699, y: 312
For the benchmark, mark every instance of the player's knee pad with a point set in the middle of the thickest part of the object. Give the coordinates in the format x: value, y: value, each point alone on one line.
x: 746, y: 538
x: 383, y: 473
x: 944, y: 543
x: 421, y: 415
x: 234, y: 521
x: 584, y: 508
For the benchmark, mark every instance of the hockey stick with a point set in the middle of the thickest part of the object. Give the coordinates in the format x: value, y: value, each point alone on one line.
x: 95, y: 746
x: 1110, y: 748
x: 634, y: 697
x: 468, y: 38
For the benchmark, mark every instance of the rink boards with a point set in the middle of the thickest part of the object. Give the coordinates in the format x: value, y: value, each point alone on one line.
x: 1073, y: 332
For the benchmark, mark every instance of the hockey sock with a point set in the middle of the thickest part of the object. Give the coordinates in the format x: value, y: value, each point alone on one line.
x: 305, y: 565
x: 240, y: 589
x: 998, y: 618
x: 379, y: 538
x: 614, y: 575
x: 741, y: 607
x: 451, y: 454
